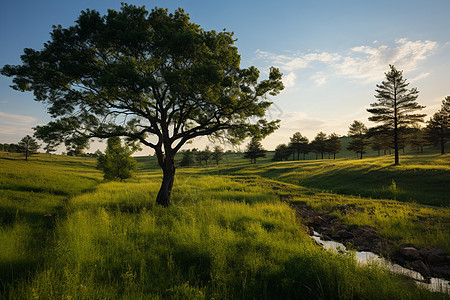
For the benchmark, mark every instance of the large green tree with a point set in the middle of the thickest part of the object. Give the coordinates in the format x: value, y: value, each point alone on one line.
x: 154, y: 77
x: 27, y: 145
x: 395, y: 106
x: 438, y: 128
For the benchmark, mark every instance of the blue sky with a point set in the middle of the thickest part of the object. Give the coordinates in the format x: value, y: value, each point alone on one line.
x: 332, y: 53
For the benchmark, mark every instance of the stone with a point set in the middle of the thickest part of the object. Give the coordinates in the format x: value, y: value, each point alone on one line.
x: 317, y: 220
x: 410, y: 253
x: 344, y: 234
x: 420, y: 267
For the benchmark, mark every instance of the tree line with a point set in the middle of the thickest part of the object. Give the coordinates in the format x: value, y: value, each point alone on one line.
x: 192, y: 156
x: 398, y: 126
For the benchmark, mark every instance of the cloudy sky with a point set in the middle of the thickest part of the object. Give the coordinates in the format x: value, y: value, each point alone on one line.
x: 331, y: 53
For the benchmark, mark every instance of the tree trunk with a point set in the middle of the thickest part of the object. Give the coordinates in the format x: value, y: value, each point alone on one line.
x: 26, y: 155
x: 442, y: 147
x: 397, y: 162
x: 361, y: 155
x: 334, y: 155
x: 165, y: 191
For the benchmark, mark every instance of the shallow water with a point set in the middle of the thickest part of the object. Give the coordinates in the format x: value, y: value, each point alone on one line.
x: 370, y: 258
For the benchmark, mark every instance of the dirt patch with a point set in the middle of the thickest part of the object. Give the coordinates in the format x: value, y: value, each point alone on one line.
x: 430, y: 262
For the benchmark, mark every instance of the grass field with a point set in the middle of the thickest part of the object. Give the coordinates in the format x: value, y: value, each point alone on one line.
x: 227, y: 235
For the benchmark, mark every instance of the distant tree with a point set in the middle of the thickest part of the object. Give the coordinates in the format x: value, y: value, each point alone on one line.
x: 217, y: 154
x: 438, y: 128
x: 358, y: 132
x: 117, y: 162
x: 333, y: 144
x: 188, y: 158
x: 298, y: 144
x: 319, y: 143
x: 151, y: 76
x: 13, y: 148
x: 377, y: 143
x: 254, y: 150
x: 416, y: 138
x: 395, y: 106
x: 28, y: 145
x: 282, y: 152
x: 204, y: 155
x: 306, y: 147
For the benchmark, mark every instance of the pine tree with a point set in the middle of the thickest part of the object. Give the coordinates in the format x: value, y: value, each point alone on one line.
x: 298, y: 144
x: 395, y: 106
x: 333, y: 144
x: 282, y: 152
x: 358, y: 132
x: 417, y: 138
x: 438, y: 128
x: 217, y: 154
x: 27, y: 145
x: 254, y: 150
x: 320, y: 144
x: 117, y: 163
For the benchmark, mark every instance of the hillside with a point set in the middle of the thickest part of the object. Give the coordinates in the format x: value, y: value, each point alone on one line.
x: 71, y: 235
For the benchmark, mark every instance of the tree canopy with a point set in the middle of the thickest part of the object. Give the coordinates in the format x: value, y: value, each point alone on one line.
x: 438, y: 128
x: 298, y: 143
x: 254, y: 150
x: 27, y: 145
x: 395, y: 106
x: 358, y: 132
x: 154, y: 77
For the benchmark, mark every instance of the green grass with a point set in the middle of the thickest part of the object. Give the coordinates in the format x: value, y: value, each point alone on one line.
x: 421, y: 178
x: 120, y: 247
x: 32, y: 195
x: 226, y: 236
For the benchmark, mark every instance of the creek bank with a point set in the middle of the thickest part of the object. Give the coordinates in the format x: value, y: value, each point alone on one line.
x: 429, y: 261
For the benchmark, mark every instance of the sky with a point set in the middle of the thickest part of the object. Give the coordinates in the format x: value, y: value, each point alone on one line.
x: 331, y: 53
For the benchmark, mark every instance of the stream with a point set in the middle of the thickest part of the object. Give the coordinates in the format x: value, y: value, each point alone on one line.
x: 366, y: 258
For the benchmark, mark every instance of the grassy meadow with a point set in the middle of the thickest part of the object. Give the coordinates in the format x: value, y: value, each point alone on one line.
x: 230, y: 233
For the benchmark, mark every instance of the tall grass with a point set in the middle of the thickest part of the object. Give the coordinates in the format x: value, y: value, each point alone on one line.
x: 196, y: 249
x: 32, y: 195
x: 69, y: 235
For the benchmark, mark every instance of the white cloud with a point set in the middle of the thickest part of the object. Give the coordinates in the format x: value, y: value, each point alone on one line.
x: 319, y: 78
x: 289, y: 80
x: 420, y: 76
x: 11, y: 124
x: 368, y: 63
x: 284, y: 62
